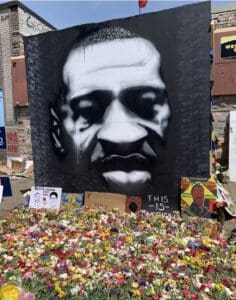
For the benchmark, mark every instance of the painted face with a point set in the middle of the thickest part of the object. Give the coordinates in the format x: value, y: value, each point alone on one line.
x: 198, y: 195
x: 115, y: 99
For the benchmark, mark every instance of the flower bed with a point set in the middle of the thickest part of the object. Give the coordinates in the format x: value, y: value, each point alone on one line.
x: 93, y: 254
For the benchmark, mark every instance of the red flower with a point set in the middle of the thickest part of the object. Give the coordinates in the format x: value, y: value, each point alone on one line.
x: 226, y: 282
x: 152, y: 274
x: 86, y: 251
x: 48, y: 283
x: 210, y: 269
x: 186, y: 292
x: 61, y: 254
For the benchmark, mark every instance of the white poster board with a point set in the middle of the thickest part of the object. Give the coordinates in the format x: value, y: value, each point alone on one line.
x: 232, y: 146
x: 1, y: 192
x: 45, y: 197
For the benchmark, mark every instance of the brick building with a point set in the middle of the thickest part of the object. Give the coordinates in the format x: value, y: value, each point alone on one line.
x: 223, y: 72
x: 16, y: 21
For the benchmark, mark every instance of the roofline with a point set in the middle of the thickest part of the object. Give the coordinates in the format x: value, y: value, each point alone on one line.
x: 223, y: 8
x: 222, y: 11
x: 22, y: 6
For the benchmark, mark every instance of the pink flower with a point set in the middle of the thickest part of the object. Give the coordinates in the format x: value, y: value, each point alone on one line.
x: 28, y: 275
x: 2, y: 281
x: 26, y: 296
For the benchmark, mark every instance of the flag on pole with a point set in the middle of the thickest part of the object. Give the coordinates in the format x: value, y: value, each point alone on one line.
x: 142, y: 3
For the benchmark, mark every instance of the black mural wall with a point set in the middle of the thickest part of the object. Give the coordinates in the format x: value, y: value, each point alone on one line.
x: 122, y: 106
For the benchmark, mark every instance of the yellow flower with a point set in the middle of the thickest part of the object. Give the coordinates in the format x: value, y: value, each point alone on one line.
x: 136, y: 292
x: 78, y: 277
x: 233, y: 256
x: 77, y: 255
x: 135, y: 285
x: 129, y: 239
x: 107, y: 245
x: 64, y: 283
x: 106, y: 232
x: 9, y: 292
x: 219, y: 287
x: 207, y: 242
x: 59, y: 291
x: 151, y: 292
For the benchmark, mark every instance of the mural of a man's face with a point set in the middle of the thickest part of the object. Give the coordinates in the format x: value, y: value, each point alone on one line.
x: 116, y: 98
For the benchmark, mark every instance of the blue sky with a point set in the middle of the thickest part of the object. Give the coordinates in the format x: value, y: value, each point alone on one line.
x: 64, y: 14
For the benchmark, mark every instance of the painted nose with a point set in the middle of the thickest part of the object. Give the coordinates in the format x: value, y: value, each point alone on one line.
x: 120, y: 125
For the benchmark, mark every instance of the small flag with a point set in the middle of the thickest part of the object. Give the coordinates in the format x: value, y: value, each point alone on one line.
x: 142, y: 3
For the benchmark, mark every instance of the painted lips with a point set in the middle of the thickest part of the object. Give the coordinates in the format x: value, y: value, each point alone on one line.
x: 128, y: 163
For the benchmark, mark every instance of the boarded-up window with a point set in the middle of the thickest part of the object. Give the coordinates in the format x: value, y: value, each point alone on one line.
x: 224, y: 66
x: 20, y: 94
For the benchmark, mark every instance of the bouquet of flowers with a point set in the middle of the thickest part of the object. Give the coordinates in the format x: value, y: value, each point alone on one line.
x: 94, y: 254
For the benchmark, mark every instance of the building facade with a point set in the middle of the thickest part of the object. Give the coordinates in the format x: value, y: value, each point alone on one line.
x: 16, y: 22
x: 223, y: 31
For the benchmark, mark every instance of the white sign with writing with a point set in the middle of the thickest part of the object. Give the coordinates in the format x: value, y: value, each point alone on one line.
x: 232, y: 146
x: 1, y: 192
x: 45, y: 197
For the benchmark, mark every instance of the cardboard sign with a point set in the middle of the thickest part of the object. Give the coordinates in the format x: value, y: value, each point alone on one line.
x: 45, y: 197
x: 72, y: 200
x: 232, y: 146
x: 198, y: 197
x: 109, y: 201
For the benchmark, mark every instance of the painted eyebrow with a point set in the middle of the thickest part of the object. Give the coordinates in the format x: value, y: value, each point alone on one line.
x: 159, y: 93
x: 96, y: 94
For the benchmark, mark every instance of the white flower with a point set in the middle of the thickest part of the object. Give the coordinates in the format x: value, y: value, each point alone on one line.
x: 228, y: 291
x: 75, y: 290
x: 7, y: 257
x: 63, y: 275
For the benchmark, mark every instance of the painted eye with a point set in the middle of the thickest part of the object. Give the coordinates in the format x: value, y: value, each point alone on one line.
x: 148, y: 96
x: 83, y: 104
x: 142, y: 101
x: 84, y: 108
x: 91, y: 107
